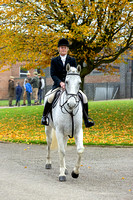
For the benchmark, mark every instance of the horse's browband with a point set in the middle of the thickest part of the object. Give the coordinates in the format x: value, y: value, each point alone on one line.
x: 73, y: 74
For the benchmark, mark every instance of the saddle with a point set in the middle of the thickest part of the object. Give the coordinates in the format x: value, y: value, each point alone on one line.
x: 80, y: 97
x: 55, y: 101
x: 56, y: 98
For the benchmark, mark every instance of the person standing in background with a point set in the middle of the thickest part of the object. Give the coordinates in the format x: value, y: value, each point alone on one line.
x: 24, y: 94
x: 18, y: 94
x: 28, y: 91
x: 35, y: 82
x: 11, y: 89
x: 41, y: 86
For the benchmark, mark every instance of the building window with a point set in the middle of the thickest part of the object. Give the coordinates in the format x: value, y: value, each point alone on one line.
x: 23, y: 72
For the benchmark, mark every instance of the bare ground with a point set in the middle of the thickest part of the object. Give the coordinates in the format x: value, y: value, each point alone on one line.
x: 106, y: 174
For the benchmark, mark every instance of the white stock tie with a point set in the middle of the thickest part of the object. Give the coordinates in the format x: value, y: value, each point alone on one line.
x: 63, y: 58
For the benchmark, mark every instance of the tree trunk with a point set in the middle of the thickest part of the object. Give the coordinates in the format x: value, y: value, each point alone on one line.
x: 82, y: 84
x: 84, y: 72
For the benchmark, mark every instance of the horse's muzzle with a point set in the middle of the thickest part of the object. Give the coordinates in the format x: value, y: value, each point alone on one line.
x: 71, y: 103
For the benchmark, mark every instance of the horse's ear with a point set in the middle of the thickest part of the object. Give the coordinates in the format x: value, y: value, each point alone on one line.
x: 79, y: 68
x: 68, y: 67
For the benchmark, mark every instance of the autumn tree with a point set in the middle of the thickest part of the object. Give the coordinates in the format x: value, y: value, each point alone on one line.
x: 99, y: 31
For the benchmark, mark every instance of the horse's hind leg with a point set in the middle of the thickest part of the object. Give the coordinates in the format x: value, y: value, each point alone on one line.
x: 80, y: 149
x: 48, y: 131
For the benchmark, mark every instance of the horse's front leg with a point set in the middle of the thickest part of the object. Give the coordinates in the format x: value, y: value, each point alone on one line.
x: 80, y: 150
x: 48, y: 131
x: 61, y: 149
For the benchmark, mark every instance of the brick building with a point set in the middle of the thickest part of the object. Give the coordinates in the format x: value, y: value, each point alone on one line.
x: 104, y: 87
x: 97, y: 86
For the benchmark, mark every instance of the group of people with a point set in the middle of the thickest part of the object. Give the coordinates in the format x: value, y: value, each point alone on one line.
x: 33, y: 85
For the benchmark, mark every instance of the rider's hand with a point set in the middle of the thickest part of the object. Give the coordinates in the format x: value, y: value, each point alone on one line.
x: 62, y: 84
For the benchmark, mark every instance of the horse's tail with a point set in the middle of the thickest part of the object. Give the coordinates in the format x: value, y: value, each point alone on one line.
x: 54, y: 144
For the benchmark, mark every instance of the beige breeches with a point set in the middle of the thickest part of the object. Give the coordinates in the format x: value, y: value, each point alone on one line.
x: 52, y: 95
x: 53, y: 92
x: 85, y: 100
x: 35, y: 92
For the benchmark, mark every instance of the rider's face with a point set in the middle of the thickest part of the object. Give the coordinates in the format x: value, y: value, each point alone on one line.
x: 63, y: 50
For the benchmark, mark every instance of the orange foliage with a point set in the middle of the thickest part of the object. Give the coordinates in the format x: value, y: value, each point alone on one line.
x: 98, y: 31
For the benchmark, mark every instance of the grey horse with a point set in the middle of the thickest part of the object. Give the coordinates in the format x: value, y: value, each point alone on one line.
x: 66, y: 121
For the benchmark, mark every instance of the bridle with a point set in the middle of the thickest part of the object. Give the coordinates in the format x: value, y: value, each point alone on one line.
x: 63, y: 105
x: 77, y: 99
x: 70, y: 96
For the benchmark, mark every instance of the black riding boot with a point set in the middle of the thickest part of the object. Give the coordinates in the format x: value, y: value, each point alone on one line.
x: 45, y: 120
x: 85, y: 116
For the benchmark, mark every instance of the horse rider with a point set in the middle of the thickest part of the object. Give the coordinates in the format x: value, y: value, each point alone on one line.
x: 58, y: 74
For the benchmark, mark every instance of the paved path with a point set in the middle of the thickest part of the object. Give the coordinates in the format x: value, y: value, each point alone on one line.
x: 106, y: 174
x: 1, y: 107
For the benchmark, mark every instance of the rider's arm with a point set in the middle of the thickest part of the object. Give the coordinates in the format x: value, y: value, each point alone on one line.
x: 53, y: 74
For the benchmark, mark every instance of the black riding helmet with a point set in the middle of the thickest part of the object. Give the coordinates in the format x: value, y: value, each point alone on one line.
x: 63, y: 42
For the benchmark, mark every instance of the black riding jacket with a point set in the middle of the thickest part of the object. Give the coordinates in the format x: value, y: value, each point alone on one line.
x: 58, y: 71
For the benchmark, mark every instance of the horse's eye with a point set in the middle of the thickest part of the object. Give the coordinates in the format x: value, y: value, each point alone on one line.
x: 66, y: 82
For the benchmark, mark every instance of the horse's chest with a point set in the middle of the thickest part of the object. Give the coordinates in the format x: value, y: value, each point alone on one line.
x: 65, y: 123
x: 62, y: 119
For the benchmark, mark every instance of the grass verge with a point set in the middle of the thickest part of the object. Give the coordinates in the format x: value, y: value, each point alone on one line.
x: 113, y: 124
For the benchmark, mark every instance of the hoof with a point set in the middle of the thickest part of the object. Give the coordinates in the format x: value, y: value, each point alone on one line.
x: 62, y: 178
x: 66, y: 172
x: 74, y: 175
x: 48, y: 166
